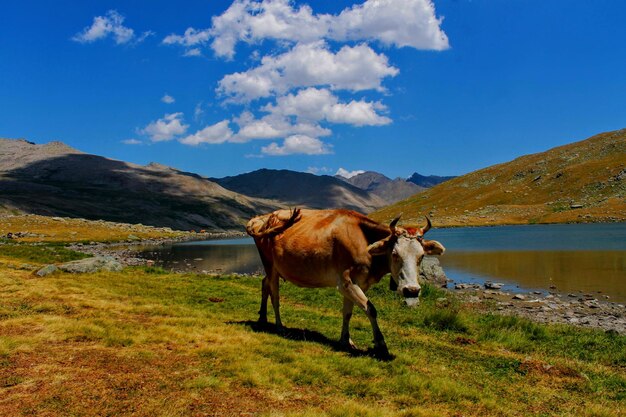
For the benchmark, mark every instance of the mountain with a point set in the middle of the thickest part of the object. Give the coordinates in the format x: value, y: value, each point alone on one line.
x: 427, y: 181
x: 55, y: 179
x: 384, y: 187
x: 302, y: 189
x: 580, y: 182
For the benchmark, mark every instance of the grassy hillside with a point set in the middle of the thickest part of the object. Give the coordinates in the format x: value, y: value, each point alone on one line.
x: 580, y: 182
x: 143, y: 342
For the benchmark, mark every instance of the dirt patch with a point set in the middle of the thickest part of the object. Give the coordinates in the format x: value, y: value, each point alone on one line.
x: 72, y: 378
x: 541, y: 368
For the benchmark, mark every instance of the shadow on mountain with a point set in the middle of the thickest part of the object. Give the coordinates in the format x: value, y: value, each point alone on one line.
x: 302, y: 189
x: 93, y: 187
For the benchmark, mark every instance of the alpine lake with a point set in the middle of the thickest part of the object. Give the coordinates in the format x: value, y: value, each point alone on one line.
x: 571, y: 258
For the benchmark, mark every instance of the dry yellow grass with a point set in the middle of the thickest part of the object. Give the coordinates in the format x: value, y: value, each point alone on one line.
x: 539, y: 188
x: 65, y: 229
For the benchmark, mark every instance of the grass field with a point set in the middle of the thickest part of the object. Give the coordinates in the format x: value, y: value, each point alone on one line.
x: 145, y: 342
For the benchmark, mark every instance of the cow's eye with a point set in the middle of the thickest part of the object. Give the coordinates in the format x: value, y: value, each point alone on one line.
x: 395, y: 254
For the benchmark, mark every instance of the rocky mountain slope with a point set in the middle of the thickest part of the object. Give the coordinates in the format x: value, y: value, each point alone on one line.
x: 302, y: 189
x: 55, y: 179
x: 580, y: 182
x: 427, y: 181
x: 384, y: 187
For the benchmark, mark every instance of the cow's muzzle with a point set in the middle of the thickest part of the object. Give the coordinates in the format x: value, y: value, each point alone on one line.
x: 411, y: 292
x: 411, y: 296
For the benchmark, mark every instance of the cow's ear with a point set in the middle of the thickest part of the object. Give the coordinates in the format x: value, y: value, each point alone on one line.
x: 378, y: 248
x: 432, y: 247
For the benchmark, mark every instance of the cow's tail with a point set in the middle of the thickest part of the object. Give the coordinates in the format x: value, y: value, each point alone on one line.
x: 274, y: 226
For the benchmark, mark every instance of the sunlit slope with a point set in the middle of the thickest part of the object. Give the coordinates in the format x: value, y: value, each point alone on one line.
x: 581, y: 182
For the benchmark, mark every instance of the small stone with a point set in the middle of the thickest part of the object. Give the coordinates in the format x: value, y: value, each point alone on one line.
x: 592, y: 304
x: 46, y: 270
x: 519, y: 297
x: 97, y: 263
x: 493, y: 285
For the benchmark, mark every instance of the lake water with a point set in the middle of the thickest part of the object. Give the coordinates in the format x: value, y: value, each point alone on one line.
x: 576, y: 258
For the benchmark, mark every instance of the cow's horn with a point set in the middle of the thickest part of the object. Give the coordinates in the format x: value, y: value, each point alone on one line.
x: 427, y: 227
x: 393, y: 223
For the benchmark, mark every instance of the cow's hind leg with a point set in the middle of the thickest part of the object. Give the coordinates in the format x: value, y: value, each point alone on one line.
x: 355, y: 294
x: 265, y: 293
x: 345, y: 340
x: 274, y: 294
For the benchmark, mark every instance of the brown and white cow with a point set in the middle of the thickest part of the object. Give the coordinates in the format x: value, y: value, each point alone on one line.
x: 339, y: 248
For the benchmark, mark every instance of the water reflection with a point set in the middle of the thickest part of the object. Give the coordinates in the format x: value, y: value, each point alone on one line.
x: 569, y: 271
x: 225, y: 258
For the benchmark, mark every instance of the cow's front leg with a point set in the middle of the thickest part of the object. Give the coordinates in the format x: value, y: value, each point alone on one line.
x: 345, y: 340
x: 355, y: 294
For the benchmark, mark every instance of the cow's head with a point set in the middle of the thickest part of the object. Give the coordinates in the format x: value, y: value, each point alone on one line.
x: 405, y: 248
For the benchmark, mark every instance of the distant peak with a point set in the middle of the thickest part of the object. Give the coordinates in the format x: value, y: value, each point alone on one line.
x: 59, y: 146
x: 157, y: 165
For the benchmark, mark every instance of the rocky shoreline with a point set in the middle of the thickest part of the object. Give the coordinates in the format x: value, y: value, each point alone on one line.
x: 585, y: 310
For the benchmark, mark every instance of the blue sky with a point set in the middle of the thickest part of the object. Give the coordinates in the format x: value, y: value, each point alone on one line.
x: 439, y: 88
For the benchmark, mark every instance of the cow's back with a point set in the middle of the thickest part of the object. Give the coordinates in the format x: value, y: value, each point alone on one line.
x: 315, y: 250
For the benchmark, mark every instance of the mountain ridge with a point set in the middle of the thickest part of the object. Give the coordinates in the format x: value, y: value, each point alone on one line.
x: 390, y: 190
x: 55, y: 179
x: 300, y: 188
x: 582, y: 181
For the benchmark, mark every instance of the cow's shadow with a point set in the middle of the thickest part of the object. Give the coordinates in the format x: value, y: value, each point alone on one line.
x: 306, y: 335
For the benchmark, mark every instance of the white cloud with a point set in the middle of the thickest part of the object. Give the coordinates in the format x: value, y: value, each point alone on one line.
x: 401, y: 23
x: 320, y: 104
x: 318, y: 170
x: 252, y: 21
x: 297, y: 144
x: 274, y: 126
x: 193, y: 52
x: 198, y: 111
x: 214, y: 134
x: 190, y: 40
x: 348, y: 174
x: 112, y: 25
x: 131, y: 142
x: 167, y: 99
x: 166, y: 128
x: 353, y: 68
x: 303, y: 84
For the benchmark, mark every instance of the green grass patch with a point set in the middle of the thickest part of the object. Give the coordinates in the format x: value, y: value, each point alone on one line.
x: 142, y: 338
x: 40, y: 253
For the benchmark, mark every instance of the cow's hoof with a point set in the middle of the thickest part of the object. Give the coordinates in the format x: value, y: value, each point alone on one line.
x: 348, y: 345
x: 381, y: 351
